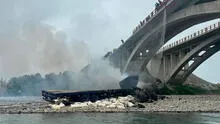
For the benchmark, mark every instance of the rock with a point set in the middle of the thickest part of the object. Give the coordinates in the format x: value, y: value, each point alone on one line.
x: 113, y: 100
x: 89, y: 103
x: 111, y: 106
x: 79, y: 105
x: 120, y: 107
x: 144, y: 95
x: 54, y: 106
x: 57, y: 101
x: 101, y: 104
x: 140, y: 105
x: 61, y: 105
x: 130, y: 98
x: 129, y: 104
x: 107, y: 103
x: 119, y: 104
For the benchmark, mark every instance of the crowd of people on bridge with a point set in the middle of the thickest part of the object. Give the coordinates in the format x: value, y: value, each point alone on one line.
x: 158, y: 5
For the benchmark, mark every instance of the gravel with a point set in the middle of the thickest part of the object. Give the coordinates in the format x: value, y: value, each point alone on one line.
x: 180, y: 103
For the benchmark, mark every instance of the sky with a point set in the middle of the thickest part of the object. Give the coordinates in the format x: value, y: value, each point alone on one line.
x: 48, y: 28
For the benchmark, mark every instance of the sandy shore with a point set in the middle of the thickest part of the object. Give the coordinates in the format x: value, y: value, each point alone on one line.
x: 199, y: 103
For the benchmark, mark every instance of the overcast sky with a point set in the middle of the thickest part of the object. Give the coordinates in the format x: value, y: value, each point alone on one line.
x: 100, y: 24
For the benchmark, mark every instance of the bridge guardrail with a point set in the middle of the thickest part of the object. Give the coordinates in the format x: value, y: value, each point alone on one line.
x: 152, y: 14
x: 191, y: 36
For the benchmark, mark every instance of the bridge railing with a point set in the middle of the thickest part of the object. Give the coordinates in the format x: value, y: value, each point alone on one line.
x: 191, y: 36
x: 152, y: 14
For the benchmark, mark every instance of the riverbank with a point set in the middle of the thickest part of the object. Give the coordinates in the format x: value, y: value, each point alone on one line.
x: 174, y: 103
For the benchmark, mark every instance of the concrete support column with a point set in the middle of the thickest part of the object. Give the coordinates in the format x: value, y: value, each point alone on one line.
x: 164, y: 66
x: 181, y: 55
x: 167, y: 64
x: 176, y: 59
x: 171, y: 61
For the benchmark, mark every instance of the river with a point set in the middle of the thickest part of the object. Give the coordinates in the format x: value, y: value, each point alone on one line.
x: 113, y: 118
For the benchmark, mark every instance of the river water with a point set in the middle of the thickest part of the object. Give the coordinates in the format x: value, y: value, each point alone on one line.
x: 112, y: 118
x: 24, y: 99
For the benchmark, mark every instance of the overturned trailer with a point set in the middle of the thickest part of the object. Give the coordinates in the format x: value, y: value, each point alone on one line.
x: 128, y: 87
x: 82, y: 96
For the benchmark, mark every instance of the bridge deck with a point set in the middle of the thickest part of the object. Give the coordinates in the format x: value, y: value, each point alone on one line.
x: 191, y: 39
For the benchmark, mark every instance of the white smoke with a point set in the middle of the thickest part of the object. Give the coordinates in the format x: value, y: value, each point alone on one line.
x: 99, y: 75
x: 28, y: 45
x: 40, y: 48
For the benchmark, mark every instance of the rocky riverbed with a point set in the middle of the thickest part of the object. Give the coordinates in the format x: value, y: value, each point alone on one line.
x: 180, y: 103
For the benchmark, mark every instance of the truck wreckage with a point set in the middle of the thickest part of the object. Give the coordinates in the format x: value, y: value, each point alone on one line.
x: 128, y: 87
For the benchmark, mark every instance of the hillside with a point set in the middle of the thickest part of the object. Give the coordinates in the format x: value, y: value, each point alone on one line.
x: 194, y: 80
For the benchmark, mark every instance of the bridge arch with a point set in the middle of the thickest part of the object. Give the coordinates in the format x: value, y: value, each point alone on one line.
x: 178, y: 22
x: 195, y: 14
x: 193, y: 59
x: 179, y: 16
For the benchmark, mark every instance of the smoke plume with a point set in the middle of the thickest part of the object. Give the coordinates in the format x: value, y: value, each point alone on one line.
x: 36, y: 56
x: 39, y: 48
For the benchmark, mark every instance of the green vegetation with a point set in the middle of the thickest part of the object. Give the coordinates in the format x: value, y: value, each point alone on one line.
x: 32, y: 85
x: 186, y: 90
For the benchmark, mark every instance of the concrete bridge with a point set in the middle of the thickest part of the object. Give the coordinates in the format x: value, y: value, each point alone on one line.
x: 176, y: 61
x: 173, y: 18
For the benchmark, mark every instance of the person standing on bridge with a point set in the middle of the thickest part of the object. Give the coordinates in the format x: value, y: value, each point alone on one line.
x: 160, y: 2
x: 157, y: 6
x: 147, y: 18
x: 122, y: 41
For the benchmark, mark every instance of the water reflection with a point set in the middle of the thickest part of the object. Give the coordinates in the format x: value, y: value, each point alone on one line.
x: 113, y: 118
